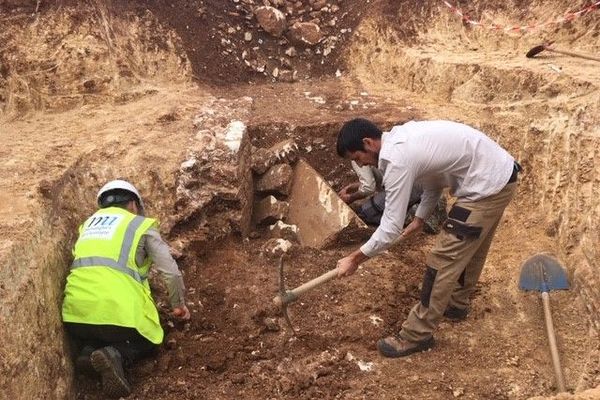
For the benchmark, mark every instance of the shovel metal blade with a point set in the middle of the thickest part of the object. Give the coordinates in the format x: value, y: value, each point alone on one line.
x: 543, y: 274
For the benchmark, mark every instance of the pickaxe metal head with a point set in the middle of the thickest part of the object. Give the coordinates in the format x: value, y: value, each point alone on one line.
x: 288, y: 296
x: 538, y: 49
x: 285, y: 297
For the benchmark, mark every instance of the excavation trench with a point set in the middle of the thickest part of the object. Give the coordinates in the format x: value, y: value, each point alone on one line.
x: 236, y: 345
x: 199, y: 152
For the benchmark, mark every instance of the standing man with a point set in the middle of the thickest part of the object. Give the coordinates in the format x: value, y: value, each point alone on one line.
x: 438, y: 154
x: 108, y: 307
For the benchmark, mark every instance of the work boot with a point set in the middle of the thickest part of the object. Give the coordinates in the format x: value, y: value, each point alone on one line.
x: 83, y: 364
x: 108, y: 362
x: 395, y: 346
x: 456, y: 314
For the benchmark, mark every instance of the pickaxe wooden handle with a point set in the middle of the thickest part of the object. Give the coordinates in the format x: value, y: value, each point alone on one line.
x: 292, y: 295
x: 572, y: 53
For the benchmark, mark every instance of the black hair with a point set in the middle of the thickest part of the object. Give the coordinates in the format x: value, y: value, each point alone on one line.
x: 350, y: 137
x: 117, y: 198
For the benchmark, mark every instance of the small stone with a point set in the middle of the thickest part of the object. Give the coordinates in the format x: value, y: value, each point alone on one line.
x: 188, y: 165
x: 291, y: 51
x: 90, y: 85
x: 238, y: 379
x: 288, y: 76
x: 306, y: 33
x: 275, y: 248
x: 271, y: 324
x: 285, y: 231
x: 248, y: 36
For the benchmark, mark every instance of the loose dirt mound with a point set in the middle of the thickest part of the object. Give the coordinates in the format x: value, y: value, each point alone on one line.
x: 228, y: 31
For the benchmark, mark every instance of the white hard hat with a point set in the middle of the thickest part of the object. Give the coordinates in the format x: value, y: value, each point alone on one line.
x: 120, y: 184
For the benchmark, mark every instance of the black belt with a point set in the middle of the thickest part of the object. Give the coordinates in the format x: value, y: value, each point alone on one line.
x: 516, y: 169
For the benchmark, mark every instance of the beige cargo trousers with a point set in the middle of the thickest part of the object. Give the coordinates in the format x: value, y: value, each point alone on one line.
x: 456, y: 261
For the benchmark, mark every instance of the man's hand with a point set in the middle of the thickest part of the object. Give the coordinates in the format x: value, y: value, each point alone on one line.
x: 344, y: 194
x: 349, y: 192
x: 415, y: 226
x: 181, y: 312
x: 349, y: 264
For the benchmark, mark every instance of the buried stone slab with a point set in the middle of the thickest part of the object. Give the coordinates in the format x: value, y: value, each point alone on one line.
x: 321, y: 216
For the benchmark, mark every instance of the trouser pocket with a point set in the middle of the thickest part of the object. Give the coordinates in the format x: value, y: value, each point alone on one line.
x: 462, y: 230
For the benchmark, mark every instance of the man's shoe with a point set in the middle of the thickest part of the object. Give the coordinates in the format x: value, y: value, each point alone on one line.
x: 456, y: 314
x: 83, y: 364
x: 395, y: 346
x: 108, y: 362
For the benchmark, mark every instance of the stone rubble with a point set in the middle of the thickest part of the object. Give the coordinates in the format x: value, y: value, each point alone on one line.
x: 308, y: 26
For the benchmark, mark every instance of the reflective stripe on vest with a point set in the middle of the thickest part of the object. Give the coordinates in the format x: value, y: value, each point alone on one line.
x: 121, y: 264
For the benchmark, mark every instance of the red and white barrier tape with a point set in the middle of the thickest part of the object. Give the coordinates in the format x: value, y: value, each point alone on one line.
x: 522, y: 28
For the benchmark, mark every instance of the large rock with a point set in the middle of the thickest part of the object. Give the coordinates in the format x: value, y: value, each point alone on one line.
x: 321, y: 216
x: 270, y: 210
x: 271, y: 20
x: 306, y: 33
x: 263, y: 159
x: 277, y: 180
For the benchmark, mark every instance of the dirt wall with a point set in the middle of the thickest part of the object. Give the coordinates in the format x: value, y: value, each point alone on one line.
x: 202, y: 197
x: 65, y: 56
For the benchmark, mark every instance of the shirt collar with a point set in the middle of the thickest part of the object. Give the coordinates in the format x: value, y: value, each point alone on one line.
x: 389, y: 139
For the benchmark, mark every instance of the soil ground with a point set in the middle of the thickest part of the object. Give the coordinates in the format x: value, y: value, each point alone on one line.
x: 231, y: 348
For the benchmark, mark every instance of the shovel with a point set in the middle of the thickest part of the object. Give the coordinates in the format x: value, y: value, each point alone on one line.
x: 543, y: 273
x: 546, y: 46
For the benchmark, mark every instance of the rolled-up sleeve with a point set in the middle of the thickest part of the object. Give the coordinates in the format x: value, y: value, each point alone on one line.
x: 398, y: 182
x: 367, y: 181
x: 429, y: 200
x: 159, y: 251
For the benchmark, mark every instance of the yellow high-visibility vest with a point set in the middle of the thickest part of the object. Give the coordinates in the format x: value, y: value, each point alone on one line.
x: 105, y: 285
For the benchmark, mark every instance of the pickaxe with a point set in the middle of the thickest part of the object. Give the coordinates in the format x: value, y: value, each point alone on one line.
x: 546, y: 46
x: 289, y: 296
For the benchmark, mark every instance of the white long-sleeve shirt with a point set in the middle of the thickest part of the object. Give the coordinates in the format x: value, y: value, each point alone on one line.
x: 369, y: 178
x: 436, y: 154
